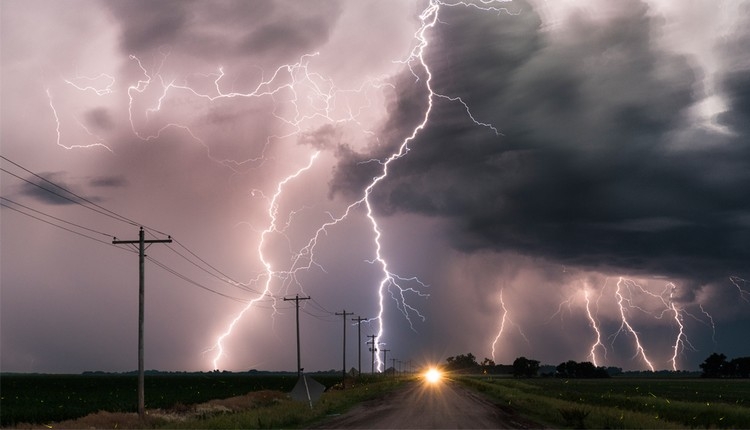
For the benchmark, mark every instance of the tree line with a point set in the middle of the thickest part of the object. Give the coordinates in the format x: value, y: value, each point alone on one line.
x: 526, y: 367
x: 715, y: 366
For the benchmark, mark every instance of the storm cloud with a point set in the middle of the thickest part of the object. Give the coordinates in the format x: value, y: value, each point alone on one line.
x: 586, y: 170
x: 553, y: 153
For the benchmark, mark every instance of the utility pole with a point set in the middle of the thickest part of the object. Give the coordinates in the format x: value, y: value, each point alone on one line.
x: 359, y: 320
x: 393, y: 361
x: 344, y: 314
x: 385, y: 360
x: 141, y: 295
x: 372, y: 349
x: 296, y: 299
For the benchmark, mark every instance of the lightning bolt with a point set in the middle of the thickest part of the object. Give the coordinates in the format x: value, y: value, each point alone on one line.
x: 269, y: 271
x: 312, y: 99
x: 429, y: 18
x: 736, y: 281
x: 625, y: 324
x: 681, y: 338
x: 58, y: 140
x: 594, y: 326
x: 502, y: 326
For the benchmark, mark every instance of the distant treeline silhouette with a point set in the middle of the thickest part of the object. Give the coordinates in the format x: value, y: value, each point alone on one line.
x: 715, y: 366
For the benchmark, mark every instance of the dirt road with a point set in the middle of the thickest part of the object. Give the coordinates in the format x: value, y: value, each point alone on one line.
x: 420, y: 405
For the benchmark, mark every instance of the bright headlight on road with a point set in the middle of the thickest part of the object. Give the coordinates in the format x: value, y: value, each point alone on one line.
x: 433, y: 375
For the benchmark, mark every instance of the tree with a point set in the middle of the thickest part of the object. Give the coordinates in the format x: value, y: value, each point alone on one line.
x: 463, y: 362
x: 740, y: 367
x: 715, y: 366
x: 487, y: 362
x: 523, y: 366
x: 584, y: 369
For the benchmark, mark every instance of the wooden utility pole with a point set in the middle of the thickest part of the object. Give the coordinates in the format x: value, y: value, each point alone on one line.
x: 296, y: 299
x: 359, y: 320
x: 372, y: 350
x: 393, y: 360
x: 385, y: 360
x: 141, y: 295
x: 344, y: 314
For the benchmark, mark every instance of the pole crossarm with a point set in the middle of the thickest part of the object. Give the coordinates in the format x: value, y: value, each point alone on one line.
x: 344, y: 314
x: 359, y: 321
x: 385, y: 358
x: 373, y: 349
x: 141, y: 242
x: 296, y: 299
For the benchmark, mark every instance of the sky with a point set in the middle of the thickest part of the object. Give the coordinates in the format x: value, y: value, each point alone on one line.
x: 560, y: 180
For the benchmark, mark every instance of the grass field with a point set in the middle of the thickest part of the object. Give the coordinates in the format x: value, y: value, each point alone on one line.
x: 558, y: 403
x: 624, y: 403
x: 34, y: 398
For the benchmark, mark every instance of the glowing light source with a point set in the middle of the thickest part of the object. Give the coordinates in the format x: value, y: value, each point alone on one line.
x: 433, y: 375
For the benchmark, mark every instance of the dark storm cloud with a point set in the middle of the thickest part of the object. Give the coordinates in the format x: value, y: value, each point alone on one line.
x: 584, y: 172
x: 355, y: 170
x: 100, y: 118
x: 45, y: 190
x: 735, y: 82
x: 299, y: 35
x: 148, y: 24
x: 109, y: 181
x: 220, y: 29
x: 326, y: 137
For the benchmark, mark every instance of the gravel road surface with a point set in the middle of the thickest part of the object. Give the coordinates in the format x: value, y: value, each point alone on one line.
x: 421, y: 405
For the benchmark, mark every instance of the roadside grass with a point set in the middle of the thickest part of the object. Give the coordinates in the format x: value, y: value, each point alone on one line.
x: 287, y: 413
x: 41, y: 398
x: 613, y: 403
x: 261, y: 409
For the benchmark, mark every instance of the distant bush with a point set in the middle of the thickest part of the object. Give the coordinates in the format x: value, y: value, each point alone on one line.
x: 584, y: 369
x: 717, y: 366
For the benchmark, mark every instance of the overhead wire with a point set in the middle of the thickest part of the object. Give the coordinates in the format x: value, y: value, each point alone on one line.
x: 53, y: 224
x: 201, y: 263
x: 193, y: 282
x: 96, y: 207
x: 55, y: 218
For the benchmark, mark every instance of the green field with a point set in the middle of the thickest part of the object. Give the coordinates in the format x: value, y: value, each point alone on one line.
x: 557, y: 403
x: 35, y: 398
x: 624, y: 403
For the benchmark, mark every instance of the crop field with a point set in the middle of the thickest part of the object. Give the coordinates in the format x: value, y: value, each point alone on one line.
x: 625, y: 403
x: 35, y: 398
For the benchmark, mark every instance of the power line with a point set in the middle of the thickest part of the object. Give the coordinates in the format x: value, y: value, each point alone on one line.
x: 192, y: 282
x: 221, y: 275
x: 111, y: 214
x: 321, y: 307
x: 57, y: 225
x: 99, y: 209
x: 54, y: 217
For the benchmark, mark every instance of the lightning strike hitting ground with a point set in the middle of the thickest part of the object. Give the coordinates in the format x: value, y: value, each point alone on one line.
x: 312, y: 98
x: 625, y: 325
x: 594, y: 326
x: 270, y: 273
x: 502, y: 326
x: 304, y: 100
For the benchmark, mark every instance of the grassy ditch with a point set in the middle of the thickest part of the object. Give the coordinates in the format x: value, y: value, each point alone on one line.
x: 623, y: 403
x: 286, y: 413
x: 178, y: 401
